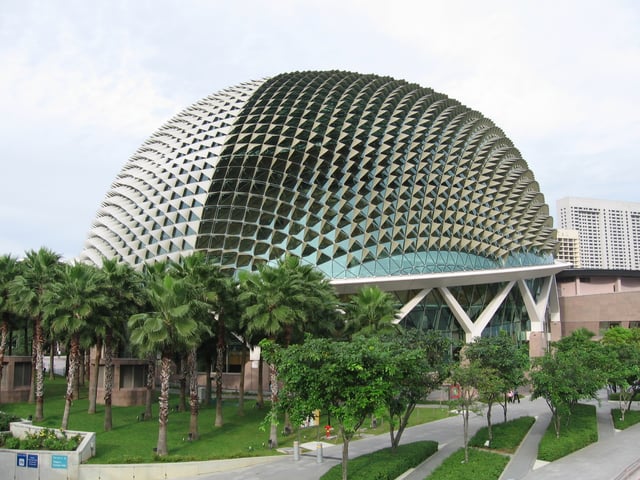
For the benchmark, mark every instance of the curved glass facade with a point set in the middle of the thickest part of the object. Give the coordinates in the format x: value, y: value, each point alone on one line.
x: 358, y: 175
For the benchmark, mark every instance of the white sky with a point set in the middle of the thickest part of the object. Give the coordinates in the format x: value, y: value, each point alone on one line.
x: 84, y: 83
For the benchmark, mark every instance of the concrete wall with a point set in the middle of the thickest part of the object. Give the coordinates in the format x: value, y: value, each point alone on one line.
x: 589, y: 311
x: 155, y: 471
x: 121, y: 396
x: 44, y: 464
x: 9, y: 392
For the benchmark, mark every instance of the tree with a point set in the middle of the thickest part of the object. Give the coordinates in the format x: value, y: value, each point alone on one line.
x: 9, y: 270
x: 571, y: 371
x: 277, y: 305
x: 369, y: 311
x: 69, y: 304
x: 622, y: 348
x: 418, y: 363
x: 508, y: 361
x: 346, y: 379
x: 216, y: 294
x: 39, y: 271
x: 467, y: 376
x: 124, y: 290
x: 168, y: 327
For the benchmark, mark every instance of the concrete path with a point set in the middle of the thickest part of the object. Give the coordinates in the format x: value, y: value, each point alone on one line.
x: 616, y: 456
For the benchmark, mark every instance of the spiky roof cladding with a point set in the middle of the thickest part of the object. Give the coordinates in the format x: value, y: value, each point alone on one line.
x: 357, y: 174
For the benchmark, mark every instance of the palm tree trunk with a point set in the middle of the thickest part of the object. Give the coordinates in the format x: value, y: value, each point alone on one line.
x: 151, y: 377
x: 220, y: 350
x: 182, y: 403
x: 38, y: 342
x: 93, y: 379
x: 163, y: 416
x: 193, y: 395
x: 243, y: 360
x: 108, y: 380
x: 207, y: 380
x: 34, y: 362
x: 71, y: 379
x: 4, y: 332
x: 260, y: 397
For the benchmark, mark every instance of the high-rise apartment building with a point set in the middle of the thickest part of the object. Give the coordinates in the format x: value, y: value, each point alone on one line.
x: 609, y: 231
x: 569, y: 247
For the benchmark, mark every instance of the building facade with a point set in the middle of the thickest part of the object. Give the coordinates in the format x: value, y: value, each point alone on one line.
x: 598, y: 300
x: 569, y: 247
x: 372, y: 180
x: 609, y: 231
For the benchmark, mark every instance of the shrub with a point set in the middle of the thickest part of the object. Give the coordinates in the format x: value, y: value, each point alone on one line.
x: 383, y: 464
x: 5, y: 420
x: 578, y: 430
x: 44, y: 439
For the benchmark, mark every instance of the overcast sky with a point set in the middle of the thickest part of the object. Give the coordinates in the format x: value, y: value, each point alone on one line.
x: 84, y: 83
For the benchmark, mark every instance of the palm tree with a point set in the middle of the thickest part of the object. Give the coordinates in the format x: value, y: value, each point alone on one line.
x: 228, y: 308
x: 70, y: 304
x: 169, y: 327
x: 279, y: 303
x: 123, y: 287
x: 9, y: 269
x: 370, y: 310
x: 40, y: 270
x: 206, y: 280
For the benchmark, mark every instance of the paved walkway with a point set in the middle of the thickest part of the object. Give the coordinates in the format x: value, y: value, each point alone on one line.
x: 616, y: 456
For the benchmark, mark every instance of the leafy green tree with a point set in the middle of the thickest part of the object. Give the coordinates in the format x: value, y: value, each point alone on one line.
x: 39, y: 271
x: 571, y: 371
x: 622, y: 348
x: 467, y: 375
x: 169, y: 326
x: 418, y: 363
x: 9, y: 270
x: 346, y: 379
x: 69, y: 305
x: 502, y: 355
x: 370, y: 311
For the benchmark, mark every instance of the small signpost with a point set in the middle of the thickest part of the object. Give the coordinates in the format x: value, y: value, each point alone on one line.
x: 59, y: 461
x: 32, y: 461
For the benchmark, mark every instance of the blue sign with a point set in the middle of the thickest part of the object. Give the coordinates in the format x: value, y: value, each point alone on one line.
x: 32, y: 461
x: 22, y: 460
x: 59, y: 461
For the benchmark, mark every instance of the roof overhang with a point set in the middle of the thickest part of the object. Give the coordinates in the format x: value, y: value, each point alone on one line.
x: 447, y: 279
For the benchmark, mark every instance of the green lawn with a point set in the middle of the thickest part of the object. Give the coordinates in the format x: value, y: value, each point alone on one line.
x: 630, y: 418
x: 577, y: 431
x: 506, y: 436
x: 482, y: 465
x: 133, y: 441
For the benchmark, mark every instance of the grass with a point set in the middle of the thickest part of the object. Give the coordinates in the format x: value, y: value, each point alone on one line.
x: 133, y: 441
x: 577, y: 431
x: 385, y: 464
x: 482, y: 465
x: 630, y: 418
x: 506, y: 436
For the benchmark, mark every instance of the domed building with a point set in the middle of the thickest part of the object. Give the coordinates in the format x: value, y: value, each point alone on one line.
x: 372, y: 180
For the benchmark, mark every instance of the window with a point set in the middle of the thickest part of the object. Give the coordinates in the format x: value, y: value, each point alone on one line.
x: 22, y: 374
x: 133, y: 376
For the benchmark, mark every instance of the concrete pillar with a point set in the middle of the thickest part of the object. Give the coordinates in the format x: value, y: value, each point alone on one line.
x: 319, y: 452
x: 296, y: 451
